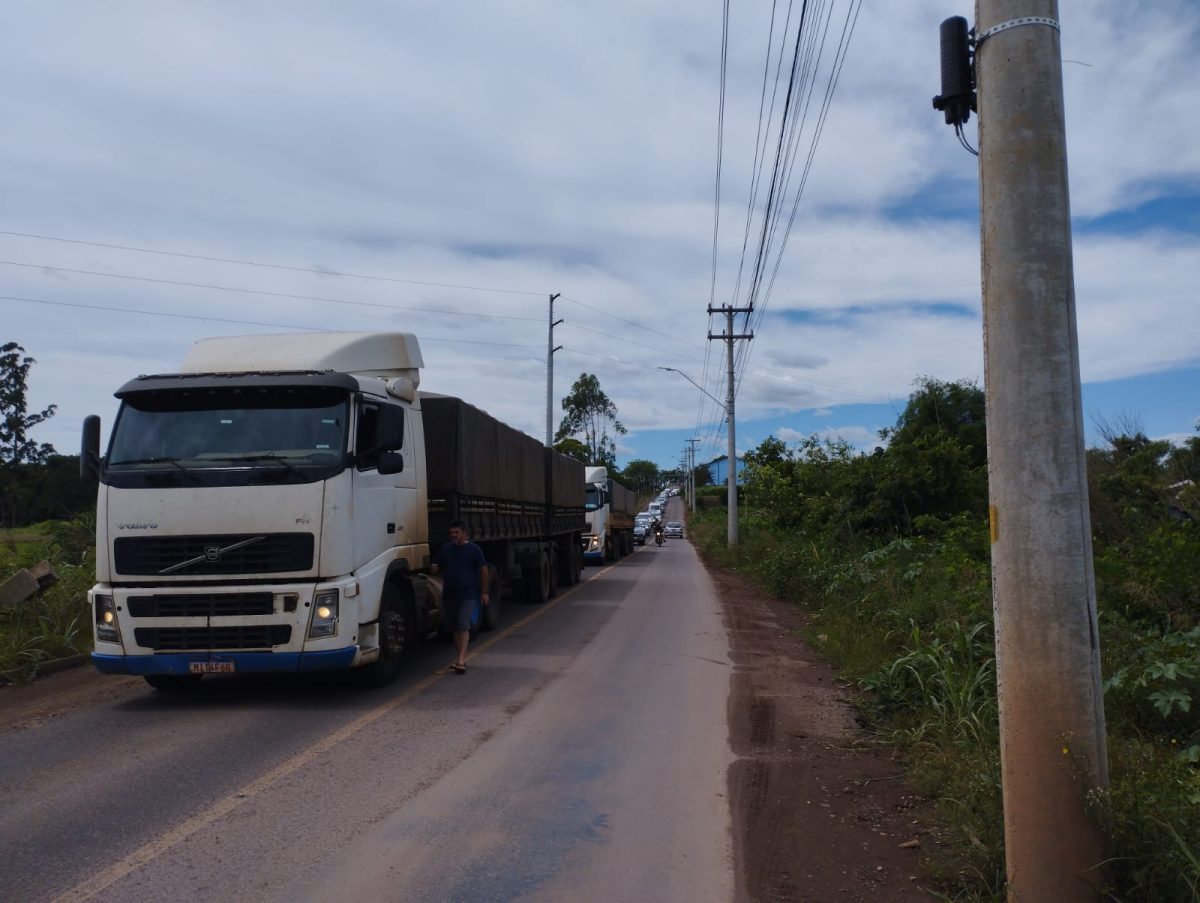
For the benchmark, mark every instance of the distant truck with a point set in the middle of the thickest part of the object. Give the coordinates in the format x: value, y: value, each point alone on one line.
x: 610, y: 512
x: 276, y: 504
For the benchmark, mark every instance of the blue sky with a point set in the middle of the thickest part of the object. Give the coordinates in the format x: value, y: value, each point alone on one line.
x: 220, y: 169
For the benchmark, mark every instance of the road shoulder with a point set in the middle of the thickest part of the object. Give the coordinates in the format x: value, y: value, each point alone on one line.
x: 819, y: 811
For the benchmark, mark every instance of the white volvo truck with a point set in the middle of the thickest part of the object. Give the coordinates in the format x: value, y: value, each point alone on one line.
x: 274, y: 507
x: 610, y: 511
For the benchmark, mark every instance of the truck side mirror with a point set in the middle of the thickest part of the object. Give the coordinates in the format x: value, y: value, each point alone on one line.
x: 89, y: 448
x: 391, y: 462
x: 389, y: 433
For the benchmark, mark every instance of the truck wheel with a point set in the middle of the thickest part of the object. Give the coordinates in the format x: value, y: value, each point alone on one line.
x: 576, y: 564
x: 537, y: 581
x: 173, y: 683
x: 491, y: 611
x: 566, y: 566
x: 397, y: 635
x: 552, y: 572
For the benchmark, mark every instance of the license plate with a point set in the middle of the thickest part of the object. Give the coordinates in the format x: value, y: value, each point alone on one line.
x: 211, y: 667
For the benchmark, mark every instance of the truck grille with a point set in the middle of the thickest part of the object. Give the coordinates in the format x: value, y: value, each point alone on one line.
x: 206, y: 605
x: 172, y: 639
x: 246, y: 553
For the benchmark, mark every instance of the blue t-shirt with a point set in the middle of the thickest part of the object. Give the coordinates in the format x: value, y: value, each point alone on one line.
x: 460, y: 570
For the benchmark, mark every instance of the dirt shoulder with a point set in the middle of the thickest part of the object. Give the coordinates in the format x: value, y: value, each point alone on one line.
x: 819, y: 813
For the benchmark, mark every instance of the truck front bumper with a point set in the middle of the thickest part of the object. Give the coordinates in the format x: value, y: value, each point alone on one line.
x: 243, y: 662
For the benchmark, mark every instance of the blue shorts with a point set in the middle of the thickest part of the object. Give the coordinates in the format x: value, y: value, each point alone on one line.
x: 461, y: 615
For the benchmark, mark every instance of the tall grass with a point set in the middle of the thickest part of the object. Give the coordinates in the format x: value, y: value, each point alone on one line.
x: 54, y: 623
x: 910, y: 620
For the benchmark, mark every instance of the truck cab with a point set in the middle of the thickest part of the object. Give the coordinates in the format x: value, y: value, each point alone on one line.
x: 263, y: 509
x: 275, y: 504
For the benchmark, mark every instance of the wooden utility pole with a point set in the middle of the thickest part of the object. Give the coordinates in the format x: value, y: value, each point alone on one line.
x: 1052, y: 742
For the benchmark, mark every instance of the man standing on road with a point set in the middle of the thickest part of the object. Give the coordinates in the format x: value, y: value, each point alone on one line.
x: 465, y: 586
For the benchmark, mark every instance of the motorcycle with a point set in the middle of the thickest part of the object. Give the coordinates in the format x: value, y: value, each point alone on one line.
x: 659, y: 539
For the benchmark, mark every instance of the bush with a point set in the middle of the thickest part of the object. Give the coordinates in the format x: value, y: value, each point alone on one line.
x: 54, y: 623
x: 889, y: 552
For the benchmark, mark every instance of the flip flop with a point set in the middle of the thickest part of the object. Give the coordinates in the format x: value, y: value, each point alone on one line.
x: 459, y: 669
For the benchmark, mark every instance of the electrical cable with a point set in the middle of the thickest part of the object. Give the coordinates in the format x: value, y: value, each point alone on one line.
x: 631, y: 322
x: 712, y: 292
x: 848, y: 28
x: 263, y: 292
x: 174, y: 316
x: 269, y: 266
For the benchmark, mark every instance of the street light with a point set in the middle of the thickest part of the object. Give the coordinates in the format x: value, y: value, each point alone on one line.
x: 730, y: 465
x: 697, y: 385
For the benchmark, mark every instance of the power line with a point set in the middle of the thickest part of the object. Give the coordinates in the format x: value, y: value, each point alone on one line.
x: 847, y: 34
x: 262, y: 292
x: 634, y: 323
x: 174, y: 316
x: 629, y: 341
x: 712, y: 292
x: 314, y: 271
x: 269, y: 266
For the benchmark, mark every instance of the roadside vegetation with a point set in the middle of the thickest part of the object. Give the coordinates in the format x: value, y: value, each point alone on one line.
x: 54, y: 623
x: 888, y: 552
x: 40, y: 497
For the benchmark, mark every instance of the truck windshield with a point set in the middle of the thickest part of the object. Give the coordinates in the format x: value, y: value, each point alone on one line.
x: 593, y: 499
x: 280, y: 429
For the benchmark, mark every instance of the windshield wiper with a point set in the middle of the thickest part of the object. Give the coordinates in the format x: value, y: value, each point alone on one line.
x: 172, y: 461
x: 271, y: 456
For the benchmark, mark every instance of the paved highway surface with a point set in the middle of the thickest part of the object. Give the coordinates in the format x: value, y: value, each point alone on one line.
x: 582, y: 757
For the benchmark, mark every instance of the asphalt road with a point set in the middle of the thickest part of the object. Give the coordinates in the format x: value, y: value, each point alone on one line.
x: 583, y: 756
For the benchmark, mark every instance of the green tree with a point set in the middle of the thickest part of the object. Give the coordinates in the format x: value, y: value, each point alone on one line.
x: 591, y: 415
x: 15, y: 422
x: 642, y: 475
x: 937, y: 408
x: 573, y: 448
x: 702, y: 475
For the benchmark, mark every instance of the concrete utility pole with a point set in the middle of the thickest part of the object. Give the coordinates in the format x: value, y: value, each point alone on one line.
x: 1052, y: 742
x: 550, y: 349
x: 731, y: 465
x: 692, y: 471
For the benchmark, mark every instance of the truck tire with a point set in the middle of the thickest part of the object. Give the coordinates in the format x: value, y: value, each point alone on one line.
x: 537, y: 581
x: 173, y: 683
x: 552, y: 570
x: 491, y: 612
x: 576, y: 564
x: 566, y: 565
x: 397, y: 635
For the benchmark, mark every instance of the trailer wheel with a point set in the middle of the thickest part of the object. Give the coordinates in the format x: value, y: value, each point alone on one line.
x: 491, y: 612
x: 537, y: 581
x: 397, y: 635
x: 552, y: 571
x: 576, y: 564
x: 173, y: 683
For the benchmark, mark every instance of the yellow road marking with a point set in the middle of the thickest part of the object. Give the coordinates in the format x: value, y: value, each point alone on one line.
x: 89, y: 887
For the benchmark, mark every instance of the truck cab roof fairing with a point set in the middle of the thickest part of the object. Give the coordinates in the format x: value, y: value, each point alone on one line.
x: 379, y: 354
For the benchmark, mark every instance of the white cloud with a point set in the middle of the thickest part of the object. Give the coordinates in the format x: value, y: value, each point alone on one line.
x: 545, y: 147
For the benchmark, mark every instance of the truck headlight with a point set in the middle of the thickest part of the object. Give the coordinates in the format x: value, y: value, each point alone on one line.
x: 593, y: 543
x: 108, y: 629
x: 325, y: 614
